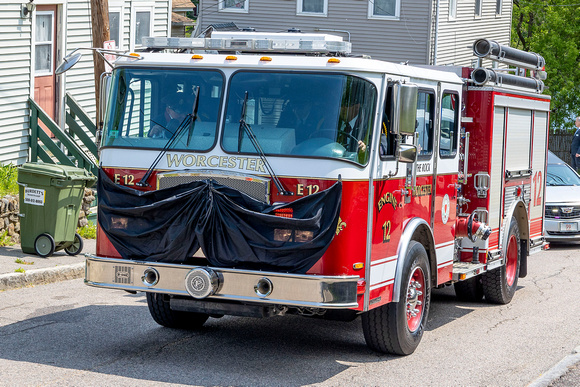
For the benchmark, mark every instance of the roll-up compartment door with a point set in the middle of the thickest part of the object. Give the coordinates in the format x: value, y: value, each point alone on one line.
x: 518, y: 139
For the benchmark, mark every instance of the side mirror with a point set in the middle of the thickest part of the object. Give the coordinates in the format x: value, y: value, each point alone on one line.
x: 407, y: 153
x: 104, y: 94
x: 68, y: 62
x: 404, y: 108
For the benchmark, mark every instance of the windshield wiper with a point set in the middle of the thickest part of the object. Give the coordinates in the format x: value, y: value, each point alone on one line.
x: 245, y: 127
x: 187, y: 122
x: 194, y: 114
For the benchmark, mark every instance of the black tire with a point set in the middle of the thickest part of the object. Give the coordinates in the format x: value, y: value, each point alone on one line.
x: 470, y: 290
x: 163, y: 315
x: 389, y: 328
x: 76, y: 247
x: 499, y: 285
x: 44, y: 245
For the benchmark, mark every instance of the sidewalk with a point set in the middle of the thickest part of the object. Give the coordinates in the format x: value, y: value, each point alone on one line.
x: 58, y: 267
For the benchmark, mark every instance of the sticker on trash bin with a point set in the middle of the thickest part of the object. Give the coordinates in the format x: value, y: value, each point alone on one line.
x: 34, y: 196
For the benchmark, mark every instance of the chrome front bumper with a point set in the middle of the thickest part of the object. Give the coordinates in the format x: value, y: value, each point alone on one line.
x: 331, y: 292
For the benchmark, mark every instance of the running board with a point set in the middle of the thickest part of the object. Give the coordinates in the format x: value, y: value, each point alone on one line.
x: 466, y: 270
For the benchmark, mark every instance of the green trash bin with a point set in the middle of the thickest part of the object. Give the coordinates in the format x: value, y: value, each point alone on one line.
x: 50, y: 202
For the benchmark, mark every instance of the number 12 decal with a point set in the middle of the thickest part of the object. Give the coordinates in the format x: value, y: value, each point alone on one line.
x: 387, y: 231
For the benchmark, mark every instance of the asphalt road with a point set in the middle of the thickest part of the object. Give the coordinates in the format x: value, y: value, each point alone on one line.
x: 71, y: 334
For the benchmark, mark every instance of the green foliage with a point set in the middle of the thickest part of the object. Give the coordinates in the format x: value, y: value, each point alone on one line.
x: 20, y: 270
x: 89, y: 231
x: 23, y: 262
x: 552, y: 29
x: 5, y: 239
x: 8, y: 180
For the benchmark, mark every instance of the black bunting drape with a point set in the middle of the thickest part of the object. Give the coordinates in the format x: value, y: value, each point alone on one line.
x: 231, y: 228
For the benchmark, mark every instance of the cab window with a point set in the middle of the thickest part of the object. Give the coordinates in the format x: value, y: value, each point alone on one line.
x: 449, y: 124
x: 425, y: 109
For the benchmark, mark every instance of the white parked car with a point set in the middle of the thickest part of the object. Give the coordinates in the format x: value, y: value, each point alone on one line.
x: 562, y: 201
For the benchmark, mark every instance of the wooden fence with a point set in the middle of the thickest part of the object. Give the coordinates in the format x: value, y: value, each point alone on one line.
x: 559, y: 143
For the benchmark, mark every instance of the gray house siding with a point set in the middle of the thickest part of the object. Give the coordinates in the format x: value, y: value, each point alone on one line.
x: 368, y: 36
x: 456, y: 37
x: 410, y: 38
x: 15, y: 60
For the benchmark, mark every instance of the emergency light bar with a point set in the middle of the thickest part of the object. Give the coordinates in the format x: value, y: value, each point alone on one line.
x: 289, y: 43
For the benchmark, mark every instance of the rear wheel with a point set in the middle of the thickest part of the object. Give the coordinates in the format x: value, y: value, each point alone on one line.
x: 470, y: 290
x: 161, y: 312
x: 398, y: 327
x: 499, y: 285
x: 76, y: 247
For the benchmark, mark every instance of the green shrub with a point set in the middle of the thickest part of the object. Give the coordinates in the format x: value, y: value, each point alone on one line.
x: 8, y: 180
x: 5, y: 239
x: 89, y: 231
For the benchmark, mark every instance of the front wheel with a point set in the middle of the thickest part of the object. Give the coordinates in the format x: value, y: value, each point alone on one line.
x: 44, y: 245
x: 499, y: 285
x: 397, y: 327
x: 160, y: 310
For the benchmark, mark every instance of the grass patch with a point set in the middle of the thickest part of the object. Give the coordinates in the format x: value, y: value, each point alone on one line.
x: 23, y: 262
x: 5, y: 239
x: 8, y: 180
x: 19, y: 270
x: 89, y: 231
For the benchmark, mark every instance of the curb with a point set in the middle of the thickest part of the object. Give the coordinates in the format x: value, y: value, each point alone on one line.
x: 41, y: 276
x: 558, y: 370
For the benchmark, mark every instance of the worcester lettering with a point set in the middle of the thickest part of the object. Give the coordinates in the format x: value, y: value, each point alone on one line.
x: 422, y: 190
x: 230, y: 162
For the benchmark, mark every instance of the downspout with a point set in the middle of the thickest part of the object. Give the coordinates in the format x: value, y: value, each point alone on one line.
x: 436, y: 40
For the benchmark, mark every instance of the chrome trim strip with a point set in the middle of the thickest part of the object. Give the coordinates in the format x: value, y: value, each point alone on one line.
x: 332, y: 292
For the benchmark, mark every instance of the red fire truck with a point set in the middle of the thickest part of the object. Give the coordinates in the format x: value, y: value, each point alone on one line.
x: 259, y: 175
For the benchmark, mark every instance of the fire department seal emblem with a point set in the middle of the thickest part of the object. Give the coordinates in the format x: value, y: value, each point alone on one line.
x: 445, y: 206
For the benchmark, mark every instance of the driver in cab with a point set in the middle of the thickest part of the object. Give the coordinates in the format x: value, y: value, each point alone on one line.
x: 351, y: 125
x: 176, y: 110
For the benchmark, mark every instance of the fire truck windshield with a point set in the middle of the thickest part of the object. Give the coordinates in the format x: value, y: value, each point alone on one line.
x: 306, y: 114
x: 290, y: 113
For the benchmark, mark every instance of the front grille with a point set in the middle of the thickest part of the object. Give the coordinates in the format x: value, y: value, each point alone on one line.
x: 563, y: 233
x: 562, y: 212
x: 256, y: 187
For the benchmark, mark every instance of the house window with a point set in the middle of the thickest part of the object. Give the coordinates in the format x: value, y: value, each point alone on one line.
x: 115, y: 27
x: 452, y: 9
x: 233, y: 5
x: 43, y: 49
x: 384, y: 9
x: 312, y: 7
x: 141, y: 25
x: 478, y: 8
x: 498, y: 6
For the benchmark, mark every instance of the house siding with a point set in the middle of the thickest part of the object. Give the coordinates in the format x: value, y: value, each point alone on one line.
x: 368, y: 36
x: 16, y: 65
x: 15, y: 61
x: 456, y: 37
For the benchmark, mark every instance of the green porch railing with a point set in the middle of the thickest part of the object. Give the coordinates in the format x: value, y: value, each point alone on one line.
x: 63, y: 148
